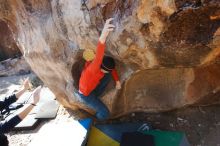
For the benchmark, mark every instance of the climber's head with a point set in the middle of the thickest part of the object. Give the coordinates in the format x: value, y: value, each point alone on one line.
x: 108, y: 64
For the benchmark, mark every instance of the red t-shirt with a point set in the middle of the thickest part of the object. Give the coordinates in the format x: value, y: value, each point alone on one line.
x: 91, y: 74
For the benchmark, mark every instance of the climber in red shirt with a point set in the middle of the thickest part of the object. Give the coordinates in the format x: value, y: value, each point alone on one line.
x: 96, y: 75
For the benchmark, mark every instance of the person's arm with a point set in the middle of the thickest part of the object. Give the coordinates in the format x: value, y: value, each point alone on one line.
x: 116, y: 78
x: 10, y: 124
x: 23, y: 88
x: 106, y: 30
x: 13, y: 98
x: 115, y: 75
x: 36, y: 98
x: 96, y: 63
x: 20, y: 92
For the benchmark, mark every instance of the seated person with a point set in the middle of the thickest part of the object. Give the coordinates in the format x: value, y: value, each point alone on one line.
x: 96, y: 75
x: 7, y: 125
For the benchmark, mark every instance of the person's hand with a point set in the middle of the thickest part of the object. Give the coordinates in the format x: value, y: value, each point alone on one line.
x: 118, y: 85
x: 36, y: 95
x: 107, y: 28
x: 26, y: 84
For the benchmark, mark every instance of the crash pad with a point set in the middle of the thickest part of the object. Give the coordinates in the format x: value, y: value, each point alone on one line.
x: 136, y: 139
x: 168, y: 138
x: 48, y: 110
x: 110, y: 134
x: 29, y: 123
x: 86, y: 123
x: 98, y: 138
x: 71, y: 133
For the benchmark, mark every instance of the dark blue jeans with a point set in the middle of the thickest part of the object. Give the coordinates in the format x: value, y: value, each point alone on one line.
x: 93, y: 101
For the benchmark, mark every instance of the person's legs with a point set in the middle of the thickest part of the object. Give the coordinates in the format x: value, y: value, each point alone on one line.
x: 102, y: 85
x: 95, y: 103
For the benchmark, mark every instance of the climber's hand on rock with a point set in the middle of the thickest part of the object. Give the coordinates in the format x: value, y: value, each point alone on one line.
x: 108, y: 27
x: 118, y: 85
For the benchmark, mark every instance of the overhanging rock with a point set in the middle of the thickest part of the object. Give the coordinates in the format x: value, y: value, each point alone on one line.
x: 167, y: 51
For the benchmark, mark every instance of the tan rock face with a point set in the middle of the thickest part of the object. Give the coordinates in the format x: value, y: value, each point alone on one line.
x: 167, y: 50
x: 8, y: 47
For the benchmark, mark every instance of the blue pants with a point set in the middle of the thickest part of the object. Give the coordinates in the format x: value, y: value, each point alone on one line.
x: 93, y: 101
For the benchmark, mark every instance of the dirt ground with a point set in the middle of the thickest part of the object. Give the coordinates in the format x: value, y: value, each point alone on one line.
x: 201, y: 124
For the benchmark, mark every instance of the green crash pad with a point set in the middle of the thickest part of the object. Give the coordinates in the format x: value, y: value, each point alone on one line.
x: 168, y: 138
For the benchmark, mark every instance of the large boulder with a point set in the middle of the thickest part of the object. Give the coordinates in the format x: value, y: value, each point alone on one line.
x: 167, y: 51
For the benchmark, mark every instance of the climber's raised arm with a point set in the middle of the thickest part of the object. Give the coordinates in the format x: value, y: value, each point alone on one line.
x: 105, y: 32
x: 96, y: 63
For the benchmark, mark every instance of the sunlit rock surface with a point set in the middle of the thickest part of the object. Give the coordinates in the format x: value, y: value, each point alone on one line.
x: 167, y: 50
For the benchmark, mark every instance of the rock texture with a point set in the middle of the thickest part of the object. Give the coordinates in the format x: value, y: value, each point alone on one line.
x: 16, y: 66
x: 168, y: 51
x: 8, y: 47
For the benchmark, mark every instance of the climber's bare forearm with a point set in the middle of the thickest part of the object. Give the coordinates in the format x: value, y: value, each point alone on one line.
x: 102, y: 40
x: 105, y: 32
